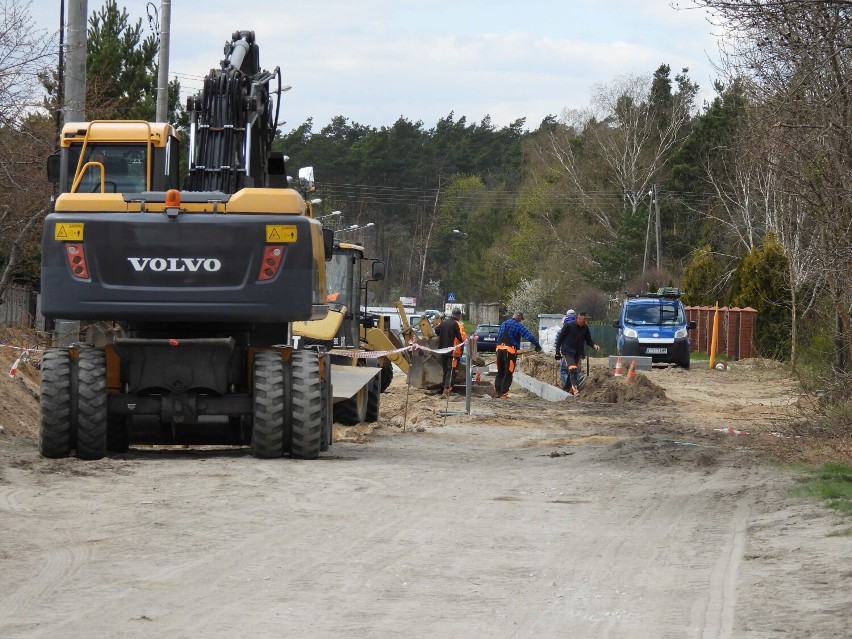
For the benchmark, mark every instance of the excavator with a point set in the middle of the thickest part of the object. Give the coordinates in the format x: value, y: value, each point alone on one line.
x: 198, y: 287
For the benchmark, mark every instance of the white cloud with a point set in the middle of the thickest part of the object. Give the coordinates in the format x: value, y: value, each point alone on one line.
x: 375, y: 60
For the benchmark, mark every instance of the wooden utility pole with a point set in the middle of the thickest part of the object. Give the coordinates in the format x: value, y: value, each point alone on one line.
x: 163, y: 71
x: 75, y: 62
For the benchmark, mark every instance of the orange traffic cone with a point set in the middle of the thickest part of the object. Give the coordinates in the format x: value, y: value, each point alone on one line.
x: 631, y: 374
x: 619, y: 368
x: 478, y: 377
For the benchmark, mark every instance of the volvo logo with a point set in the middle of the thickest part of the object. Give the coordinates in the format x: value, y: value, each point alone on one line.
x: 175, y: 264
x: 656, y: 334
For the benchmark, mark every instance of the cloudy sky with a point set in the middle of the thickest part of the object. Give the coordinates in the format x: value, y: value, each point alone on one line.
x: 373, y: 61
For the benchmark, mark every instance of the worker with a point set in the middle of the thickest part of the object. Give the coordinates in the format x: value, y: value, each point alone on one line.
x: 570, y: 347
x: 509, y: 337
x: 570, y: 316
x: 450, y: 332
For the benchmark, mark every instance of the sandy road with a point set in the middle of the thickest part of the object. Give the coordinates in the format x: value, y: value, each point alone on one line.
x: 462, y: 531
x: 529, y: 520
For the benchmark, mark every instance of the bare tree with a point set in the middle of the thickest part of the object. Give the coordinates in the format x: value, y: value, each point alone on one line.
x: 628, y: 135
x: 25, y: 133
x: 797, y: 54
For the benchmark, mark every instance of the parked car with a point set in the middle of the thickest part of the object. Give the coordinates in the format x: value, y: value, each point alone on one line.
x: 655, y: 325
x: 486, y: 337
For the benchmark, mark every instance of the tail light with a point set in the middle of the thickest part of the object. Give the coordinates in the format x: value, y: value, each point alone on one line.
x: 272, y: 255
x: 76, y: 255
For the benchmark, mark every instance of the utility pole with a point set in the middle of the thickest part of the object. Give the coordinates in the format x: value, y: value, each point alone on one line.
x: 60, y: 85
x: 75, y: 60
x: 163, y: 71
x: 659, y: 246
x: 648, y: 233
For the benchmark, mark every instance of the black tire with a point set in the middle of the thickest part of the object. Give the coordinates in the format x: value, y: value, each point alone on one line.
x: 56, y: 424
x: 684, y: 364
x: 118, y: 437
x: 91, y: 403
x: 352, y: 411
x: 387, y: 375
x: 269, y: 405
x: 306, y: 405
x: 374, y: 399
x: 327, y: 406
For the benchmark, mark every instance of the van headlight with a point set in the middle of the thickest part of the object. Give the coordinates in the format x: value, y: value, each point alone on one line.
x: 630, y: 332
x: 680, y: 333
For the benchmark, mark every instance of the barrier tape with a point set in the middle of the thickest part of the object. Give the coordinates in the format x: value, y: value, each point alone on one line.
x: 410, y: 347
x: 25, y: 355
x: 22, y: 348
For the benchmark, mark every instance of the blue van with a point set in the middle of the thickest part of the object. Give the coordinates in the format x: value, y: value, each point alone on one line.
x: 654, y: 325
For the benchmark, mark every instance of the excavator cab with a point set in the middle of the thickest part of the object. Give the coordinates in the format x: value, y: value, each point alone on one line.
x: 116, y: 156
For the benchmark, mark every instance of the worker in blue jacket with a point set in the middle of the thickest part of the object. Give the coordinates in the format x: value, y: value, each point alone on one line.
x: 508, y: 342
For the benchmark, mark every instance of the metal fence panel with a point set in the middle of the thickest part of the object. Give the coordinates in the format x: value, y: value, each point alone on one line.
x: 604, y: 335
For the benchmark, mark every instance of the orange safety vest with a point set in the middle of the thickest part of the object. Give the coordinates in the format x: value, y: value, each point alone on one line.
x: 457, y: 352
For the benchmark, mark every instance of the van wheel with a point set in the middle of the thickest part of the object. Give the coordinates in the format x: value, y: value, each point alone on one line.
x: 684, y: 364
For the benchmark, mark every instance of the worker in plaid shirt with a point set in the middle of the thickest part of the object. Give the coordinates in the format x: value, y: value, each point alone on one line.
x: 508, y: 342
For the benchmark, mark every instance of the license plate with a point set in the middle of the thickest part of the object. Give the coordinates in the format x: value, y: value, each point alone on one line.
x: 656, y: 351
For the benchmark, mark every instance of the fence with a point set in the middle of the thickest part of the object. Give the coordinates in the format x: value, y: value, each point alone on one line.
x: 736, y: 330
x: 17, y: 306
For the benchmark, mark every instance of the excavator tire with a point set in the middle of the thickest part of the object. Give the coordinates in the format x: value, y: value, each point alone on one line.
x: 55, y: 427
x: 118, y: 440
x: 91, y: 403
x: 352, y: 411
x: 267, y: 436
x: 327, y: 407
x: 387, y: 375
x: 306, y: 405
x: 374, y: 399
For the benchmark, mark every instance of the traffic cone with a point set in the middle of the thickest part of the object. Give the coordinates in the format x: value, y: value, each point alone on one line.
x: 13, y: 371
x: 631, y: 374
x: 619, y: 368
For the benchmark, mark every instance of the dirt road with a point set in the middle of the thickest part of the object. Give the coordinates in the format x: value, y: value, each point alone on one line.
x: 525, y: 519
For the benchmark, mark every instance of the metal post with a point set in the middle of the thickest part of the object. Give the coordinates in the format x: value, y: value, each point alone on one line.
x: 163, y: 71
x: 60, y: 89
x: 75, y: 62
x: 468, y: 381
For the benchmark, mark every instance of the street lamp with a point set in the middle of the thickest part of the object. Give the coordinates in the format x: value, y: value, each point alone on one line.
x: 355, y: 227
x: 332, y: 214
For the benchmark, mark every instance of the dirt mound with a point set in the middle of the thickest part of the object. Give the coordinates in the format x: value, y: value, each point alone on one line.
x: 19, y: 410
x: 543, y: 367
x: 603, y: 387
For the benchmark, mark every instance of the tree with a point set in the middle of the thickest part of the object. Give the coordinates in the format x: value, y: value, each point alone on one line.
x: 25, y: 136
x: 121, y: 71
x: 761, y: 283
x: 612, y: 154
x: 702, y: 278
x: 797, y: 56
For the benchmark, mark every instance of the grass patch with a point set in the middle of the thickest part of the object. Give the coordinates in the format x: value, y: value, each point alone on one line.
x: 832, y: 484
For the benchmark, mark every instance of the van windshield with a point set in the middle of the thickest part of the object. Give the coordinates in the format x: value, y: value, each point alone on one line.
x: 654, y: 314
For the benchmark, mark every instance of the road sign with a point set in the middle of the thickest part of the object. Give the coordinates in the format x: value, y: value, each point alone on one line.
x: 451, y: 297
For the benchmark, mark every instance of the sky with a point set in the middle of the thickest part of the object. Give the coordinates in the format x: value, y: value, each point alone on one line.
x: 374, y: 61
